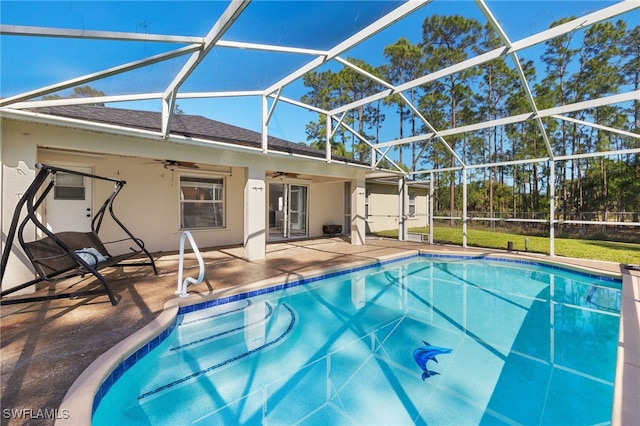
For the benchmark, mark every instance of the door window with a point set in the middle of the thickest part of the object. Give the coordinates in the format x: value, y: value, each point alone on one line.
x: 68, y: 187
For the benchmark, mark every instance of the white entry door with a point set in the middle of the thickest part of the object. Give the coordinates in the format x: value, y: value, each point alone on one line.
x: 68, y: 204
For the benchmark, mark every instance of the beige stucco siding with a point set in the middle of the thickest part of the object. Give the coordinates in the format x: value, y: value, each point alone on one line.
x: 326, y: 206
x: 17, y: 174
x: 384, y: 207
x: 149, y: 203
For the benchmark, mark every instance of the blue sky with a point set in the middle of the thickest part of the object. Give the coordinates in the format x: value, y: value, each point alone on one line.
x: 28, y: 63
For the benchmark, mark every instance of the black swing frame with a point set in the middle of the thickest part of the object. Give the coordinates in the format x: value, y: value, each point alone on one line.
x: 62, y: 260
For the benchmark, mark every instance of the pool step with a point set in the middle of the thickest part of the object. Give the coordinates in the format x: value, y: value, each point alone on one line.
x: 215, y: 326
x: 188, y: 360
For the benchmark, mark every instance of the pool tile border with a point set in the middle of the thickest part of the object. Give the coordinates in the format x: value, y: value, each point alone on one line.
x: 598, y: 277
x: 153, y: 343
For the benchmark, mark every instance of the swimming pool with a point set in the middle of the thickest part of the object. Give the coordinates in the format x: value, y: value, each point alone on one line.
x: 515, y: 342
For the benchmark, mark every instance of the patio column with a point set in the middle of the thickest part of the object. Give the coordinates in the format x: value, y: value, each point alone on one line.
x: 255, y: 193
x: 358, y: 224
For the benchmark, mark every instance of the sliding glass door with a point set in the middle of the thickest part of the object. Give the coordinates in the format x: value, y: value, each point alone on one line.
x: 287, y: 211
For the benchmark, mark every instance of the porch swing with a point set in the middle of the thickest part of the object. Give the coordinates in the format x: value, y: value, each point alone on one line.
x: 61, y: 255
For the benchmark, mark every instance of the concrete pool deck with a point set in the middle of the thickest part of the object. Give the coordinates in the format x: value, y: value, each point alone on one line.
x: 45, y: 346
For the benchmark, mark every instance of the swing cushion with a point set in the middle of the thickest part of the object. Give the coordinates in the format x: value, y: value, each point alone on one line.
x: 90, y: 255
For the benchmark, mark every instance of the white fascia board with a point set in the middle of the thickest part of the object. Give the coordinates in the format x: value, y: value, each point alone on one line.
x: 379, y: 25
x: 21, y: 30
x: 40, y: 118
x: 269, y: 48
x: 101, y: 74
x: 116, y: 130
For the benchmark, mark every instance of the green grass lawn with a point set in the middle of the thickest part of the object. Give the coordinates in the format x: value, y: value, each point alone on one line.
x: 583, y: 249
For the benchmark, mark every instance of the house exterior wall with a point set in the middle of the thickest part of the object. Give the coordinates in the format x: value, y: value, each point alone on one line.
x: 16, y: 175
x: 384, y: 207
x: 148, y: 204
x: 323, y: 196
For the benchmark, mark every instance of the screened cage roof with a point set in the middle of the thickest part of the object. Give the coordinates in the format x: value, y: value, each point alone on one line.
x: 250, y: 63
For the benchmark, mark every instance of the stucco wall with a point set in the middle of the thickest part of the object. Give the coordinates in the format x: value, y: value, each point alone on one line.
x: 326, y: 206
x: 18, y: 159
x: 149, y: 203
x: 384, y: 207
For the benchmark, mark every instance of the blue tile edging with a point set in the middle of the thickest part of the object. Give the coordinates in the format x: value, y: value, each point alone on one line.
x: 153, y: 343
x: 599, y: 277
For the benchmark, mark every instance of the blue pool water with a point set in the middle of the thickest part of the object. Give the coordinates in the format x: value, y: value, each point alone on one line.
x: 529, y: 344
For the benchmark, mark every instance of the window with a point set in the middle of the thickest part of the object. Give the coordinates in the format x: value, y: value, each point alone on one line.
x: 68, y: 187
x: 201, y: 202
x: 412, y: 204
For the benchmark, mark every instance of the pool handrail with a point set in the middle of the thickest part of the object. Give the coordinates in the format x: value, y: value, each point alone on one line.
x: 182, y: 285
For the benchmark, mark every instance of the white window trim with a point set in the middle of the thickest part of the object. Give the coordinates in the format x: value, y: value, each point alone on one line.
x: 196, y: 175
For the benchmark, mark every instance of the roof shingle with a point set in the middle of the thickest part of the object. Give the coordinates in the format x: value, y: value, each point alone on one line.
x: 193, y: 126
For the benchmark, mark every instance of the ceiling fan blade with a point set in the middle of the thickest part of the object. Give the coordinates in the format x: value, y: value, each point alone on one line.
x: 187, y: 164
x: 284, y: 174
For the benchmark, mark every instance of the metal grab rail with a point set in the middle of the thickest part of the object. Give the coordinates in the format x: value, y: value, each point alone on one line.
x: 182, y: 285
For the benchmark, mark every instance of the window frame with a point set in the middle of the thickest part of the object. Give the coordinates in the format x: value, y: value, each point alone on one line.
x: 64, y: 191
x: 215, y: 183
x: 412, y: 203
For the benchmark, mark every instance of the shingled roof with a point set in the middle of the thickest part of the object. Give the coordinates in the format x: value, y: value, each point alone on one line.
x: 193, y: 126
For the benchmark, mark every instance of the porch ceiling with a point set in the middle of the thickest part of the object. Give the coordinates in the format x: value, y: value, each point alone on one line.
x: 263, y: 50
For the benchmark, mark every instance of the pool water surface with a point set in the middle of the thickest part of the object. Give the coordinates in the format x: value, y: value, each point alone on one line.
x: 425, y: 340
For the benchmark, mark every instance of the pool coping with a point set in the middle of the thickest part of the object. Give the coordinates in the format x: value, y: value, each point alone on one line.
x: 80, y: 398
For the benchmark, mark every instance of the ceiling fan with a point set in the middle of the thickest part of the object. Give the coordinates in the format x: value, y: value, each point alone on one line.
x: 284, y: 174
x: 173, y: 164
